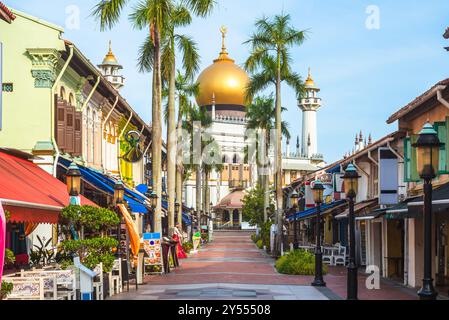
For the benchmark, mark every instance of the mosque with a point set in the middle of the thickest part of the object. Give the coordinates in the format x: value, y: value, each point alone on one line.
x: 222, y: 93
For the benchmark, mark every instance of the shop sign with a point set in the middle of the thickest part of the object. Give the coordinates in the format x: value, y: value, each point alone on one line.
x: 153, y: 249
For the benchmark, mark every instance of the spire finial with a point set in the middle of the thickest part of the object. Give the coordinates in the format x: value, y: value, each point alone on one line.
x: 110, y: 46
x: 223, y: 31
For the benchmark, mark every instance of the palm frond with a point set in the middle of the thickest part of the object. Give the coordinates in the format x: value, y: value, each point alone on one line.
x: 201, y: 8
x: 108, y: 12
x: 190, y: 56
x: 145, y: 60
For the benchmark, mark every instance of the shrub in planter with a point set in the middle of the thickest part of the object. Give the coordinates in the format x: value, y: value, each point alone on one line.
x: 298, y: 262
x: 259, y: 244
x: 10, y: 258
x: 187, y: 246
x: 6, y: 289
x: 91, y: 251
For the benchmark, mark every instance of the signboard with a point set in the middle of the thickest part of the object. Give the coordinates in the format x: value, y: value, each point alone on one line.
x: 153, y: 248
x: 326, y: 178
x: 388, y: 177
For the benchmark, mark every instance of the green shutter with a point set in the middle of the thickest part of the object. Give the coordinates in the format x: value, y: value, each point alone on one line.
x: 414, y: 176
x: 447, y: 143
x: 407, y: 159
x: 440, y: 127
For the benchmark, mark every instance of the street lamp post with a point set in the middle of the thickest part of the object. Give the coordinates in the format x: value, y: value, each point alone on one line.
x: 73, y: 176
x: 427, y: 151
x: 295, y: 198
x: 318, y: 191
x: 351, y: 185
x: 119, y: 193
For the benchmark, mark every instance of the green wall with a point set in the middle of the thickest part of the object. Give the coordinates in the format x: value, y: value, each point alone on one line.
x: 27, y: 110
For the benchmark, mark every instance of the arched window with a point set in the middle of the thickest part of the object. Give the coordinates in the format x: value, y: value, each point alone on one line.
x: 236, y: 159
x: 71, y: 99
x: 62, y: 93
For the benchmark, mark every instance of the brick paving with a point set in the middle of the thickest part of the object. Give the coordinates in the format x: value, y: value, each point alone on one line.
x: 232, y: 267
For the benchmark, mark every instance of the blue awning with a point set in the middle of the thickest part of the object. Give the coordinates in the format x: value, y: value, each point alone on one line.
x: 310, y: 212
x: 335, y: 169
x: 106, y: 184
x: 185, y: 215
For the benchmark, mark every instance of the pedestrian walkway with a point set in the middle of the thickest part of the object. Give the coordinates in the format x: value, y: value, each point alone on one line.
x: 233, y: 268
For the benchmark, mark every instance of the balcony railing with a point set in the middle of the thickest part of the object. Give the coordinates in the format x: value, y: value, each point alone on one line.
x: 233, y: 184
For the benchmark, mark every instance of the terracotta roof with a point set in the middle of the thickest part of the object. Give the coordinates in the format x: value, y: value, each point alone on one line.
x: 5, y: 13
x: 232, y: 200
x: 417, y: 102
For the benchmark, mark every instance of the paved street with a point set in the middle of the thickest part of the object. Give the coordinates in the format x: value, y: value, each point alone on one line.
x: 233, y: 268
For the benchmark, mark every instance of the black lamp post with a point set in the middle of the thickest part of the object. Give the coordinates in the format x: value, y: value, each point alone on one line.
x: 427, y: 151
x: 295, y: 198
x: 351, y: 185
x: 318, y: 191
x: 119, y: 193
x: 73, y: 175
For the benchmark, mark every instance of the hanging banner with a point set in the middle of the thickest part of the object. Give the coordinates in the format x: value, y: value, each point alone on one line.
x: 388, y: 177
x: 2, y: 239
x: 153, y: 248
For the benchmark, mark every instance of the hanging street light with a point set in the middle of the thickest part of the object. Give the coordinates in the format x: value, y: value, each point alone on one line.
x: 153, y: 199
x: 294, y: 197
x: 350, y: 179
x: 318, y: 192
x: 427, y: 153
x: 73, y: 175
x: 119, y: 192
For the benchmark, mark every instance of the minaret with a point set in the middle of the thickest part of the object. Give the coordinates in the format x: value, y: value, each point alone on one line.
x: 298, y: 151
x: 110, y: 69
x: 213, y: 106
x: 309, y: 106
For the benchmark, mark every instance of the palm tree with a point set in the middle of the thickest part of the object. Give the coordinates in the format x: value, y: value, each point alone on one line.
x: 185, y: 88
x: 156, y: 16
x: 196, y: 119
x: 212, y: 161
x: 271, y: 43
x: 261, y: 115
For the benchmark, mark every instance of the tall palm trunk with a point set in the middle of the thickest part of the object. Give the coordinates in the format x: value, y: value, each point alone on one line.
x: 266, y: 178
x: 179, y: 168
x: 157, y: 131
x: 278, y: 158
x: 171, y: 148
x: 198, y: 194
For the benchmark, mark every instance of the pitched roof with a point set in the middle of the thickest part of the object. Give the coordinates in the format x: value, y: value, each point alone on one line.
x: 5, y: 13
x: 417, y: 102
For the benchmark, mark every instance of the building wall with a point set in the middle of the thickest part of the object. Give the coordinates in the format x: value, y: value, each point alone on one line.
x: 26, y: 111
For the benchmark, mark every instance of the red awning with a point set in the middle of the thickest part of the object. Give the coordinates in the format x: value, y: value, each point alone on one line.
x: 30, y: 193
x: 232, y: 201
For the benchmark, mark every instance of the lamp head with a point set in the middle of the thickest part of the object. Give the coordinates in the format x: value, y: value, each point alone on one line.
x: 73, y: 175
x: 428, y: 152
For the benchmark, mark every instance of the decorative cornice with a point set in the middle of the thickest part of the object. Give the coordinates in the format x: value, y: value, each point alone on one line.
x: 44, y: 64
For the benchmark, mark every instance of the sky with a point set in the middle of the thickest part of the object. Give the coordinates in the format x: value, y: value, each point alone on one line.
x: 369, y: 58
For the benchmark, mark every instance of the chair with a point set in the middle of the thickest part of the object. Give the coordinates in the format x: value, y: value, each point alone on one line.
x: 98, y: 283
x: 115, y: 278
x: 340, y: 256
x: 26, y: 288
x: 328, y: 255
x: 61, y: 284
x: 127, y: 275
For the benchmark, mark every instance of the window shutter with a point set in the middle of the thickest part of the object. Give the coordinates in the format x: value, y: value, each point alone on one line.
x: 78, y: 134
x: 440, y: 127
x: 70, y: 129
x: 414, y: 176
x: 60, y: 123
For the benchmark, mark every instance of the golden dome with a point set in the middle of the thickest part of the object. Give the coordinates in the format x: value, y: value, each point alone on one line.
x: 309, y: 81
x: 223, y: 80
x: 110, y: 57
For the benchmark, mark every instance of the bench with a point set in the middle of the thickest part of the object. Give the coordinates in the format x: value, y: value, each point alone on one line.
x: 25, y: 288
